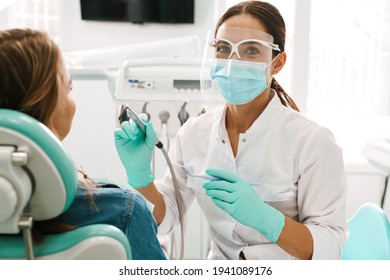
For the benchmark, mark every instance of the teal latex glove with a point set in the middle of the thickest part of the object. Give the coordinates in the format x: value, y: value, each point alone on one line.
x: 241, y: 201
x: 135, y: 150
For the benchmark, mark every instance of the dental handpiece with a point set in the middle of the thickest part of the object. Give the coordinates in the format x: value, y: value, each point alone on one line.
x: 141, y: 125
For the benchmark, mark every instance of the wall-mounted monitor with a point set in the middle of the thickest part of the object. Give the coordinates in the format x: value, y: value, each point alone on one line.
x: 138, y: 11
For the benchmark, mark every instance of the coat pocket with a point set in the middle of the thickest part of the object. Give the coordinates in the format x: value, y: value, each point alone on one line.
x: 273, y: 193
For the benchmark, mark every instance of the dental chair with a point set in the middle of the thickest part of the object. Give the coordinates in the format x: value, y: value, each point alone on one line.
x: 38, y: 182
x: 369, y: 235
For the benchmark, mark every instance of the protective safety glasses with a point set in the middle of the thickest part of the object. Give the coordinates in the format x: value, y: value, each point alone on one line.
x: 240, y: 43
x: 248, y: 49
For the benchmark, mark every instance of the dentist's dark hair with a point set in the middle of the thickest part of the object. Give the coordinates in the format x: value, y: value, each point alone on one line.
x: 269, y: 16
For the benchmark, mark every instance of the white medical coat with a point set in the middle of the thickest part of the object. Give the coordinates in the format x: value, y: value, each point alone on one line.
x: 298, y: 163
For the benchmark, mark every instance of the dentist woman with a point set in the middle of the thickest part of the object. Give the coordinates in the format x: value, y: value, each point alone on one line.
x: 281, y: 184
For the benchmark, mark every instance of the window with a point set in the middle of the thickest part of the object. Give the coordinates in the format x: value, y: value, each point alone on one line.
x: 349, y: 68
x: 36, y: 14
x: 349, y: 61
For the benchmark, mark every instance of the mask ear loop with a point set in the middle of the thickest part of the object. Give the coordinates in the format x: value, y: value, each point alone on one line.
x: 267, y: 65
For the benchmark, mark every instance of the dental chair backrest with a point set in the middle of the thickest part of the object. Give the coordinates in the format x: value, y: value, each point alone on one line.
x: 369, y: 234
x: 38, y: 182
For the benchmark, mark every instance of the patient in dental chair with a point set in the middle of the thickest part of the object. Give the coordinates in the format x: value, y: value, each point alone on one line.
x: 34, y: 80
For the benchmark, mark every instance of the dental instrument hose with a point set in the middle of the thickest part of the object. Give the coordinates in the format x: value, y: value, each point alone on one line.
x: 179, y: 203
x: 127, y: 114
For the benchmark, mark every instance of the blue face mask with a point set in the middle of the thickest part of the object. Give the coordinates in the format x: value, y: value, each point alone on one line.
x: 239, y: 81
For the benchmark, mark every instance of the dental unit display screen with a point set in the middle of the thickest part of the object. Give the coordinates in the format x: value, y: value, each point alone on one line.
x: 138, y: 11
x: 186, y: 84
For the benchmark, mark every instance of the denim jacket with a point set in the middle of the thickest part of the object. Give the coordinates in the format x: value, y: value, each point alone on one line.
x: 123, y: 208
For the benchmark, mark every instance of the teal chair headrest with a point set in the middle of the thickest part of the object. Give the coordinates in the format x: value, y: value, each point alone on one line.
x: 51, y: 166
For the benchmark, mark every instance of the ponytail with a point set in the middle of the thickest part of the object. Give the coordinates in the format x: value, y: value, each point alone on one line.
x: 283, y: 96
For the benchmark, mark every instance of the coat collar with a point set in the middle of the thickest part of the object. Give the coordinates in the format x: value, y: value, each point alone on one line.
x: 261, y: 123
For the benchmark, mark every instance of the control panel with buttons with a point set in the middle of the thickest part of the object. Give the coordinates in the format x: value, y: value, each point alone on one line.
x: 160, y: 80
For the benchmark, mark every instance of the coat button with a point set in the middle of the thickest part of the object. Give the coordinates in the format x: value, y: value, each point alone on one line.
x: 223, y: 141
x: 244, y: 140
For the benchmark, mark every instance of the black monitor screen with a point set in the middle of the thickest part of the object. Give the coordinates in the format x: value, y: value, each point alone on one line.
x: 139, y: 11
